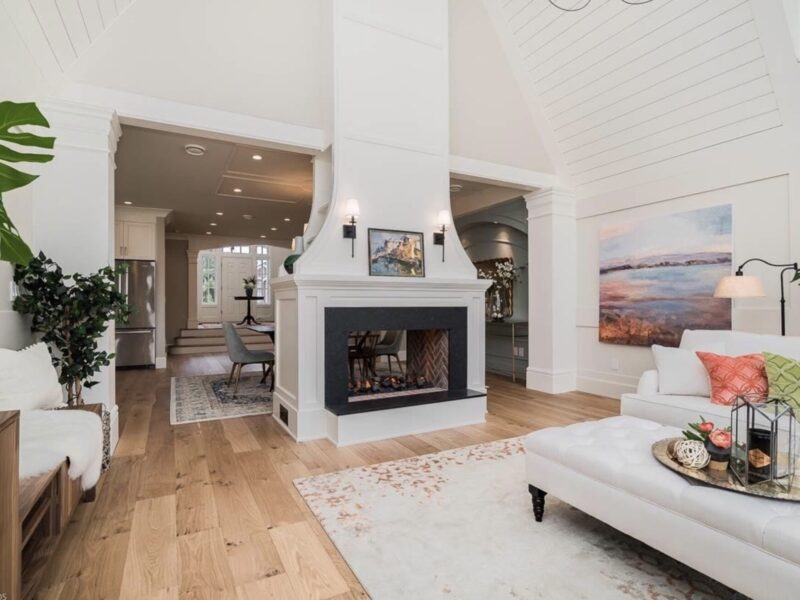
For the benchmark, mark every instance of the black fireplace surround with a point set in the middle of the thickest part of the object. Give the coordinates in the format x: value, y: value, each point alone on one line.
x: 339, y: 322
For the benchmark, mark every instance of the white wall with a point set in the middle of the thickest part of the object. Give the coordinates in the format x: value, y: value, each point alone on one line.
x: 758, y: 175
x: 253, y: 57
x: 21, y: 82
x: 489, y: 119
x: 764, y: 225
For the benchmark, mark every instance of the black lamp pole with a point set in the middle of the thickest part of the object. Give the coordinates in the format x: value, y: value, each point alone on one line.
x: 785, y: 268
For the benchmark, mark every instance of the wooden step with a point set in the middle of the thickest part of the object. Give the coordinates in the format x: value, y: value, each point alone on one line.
x: 216, y: 341
x: 199, y: 333
x: 215, y: 348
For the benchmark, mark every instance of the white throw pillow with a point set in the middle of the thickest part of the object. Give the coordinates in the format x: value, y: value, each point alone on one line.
x: 680, y: 372
x: 28, y: 379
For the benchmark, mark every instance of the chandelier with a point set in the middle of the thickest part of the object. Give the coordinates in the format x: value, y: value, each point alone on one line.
x: 581, y: 5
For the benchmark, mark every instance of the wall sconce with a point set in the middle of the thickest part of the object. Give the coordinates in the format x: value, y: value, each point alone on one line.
x: 438, y: 236
x: 349, y: 229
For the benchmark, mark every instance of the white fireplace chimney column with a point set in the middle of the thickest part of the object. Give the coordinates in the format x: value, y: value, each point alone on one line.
x: 391, y: 134
x: 390, y: 131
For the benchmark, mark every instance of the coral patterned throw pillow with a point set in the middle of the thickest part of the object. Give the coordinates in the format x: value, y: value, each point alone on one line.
x: 733, y: 376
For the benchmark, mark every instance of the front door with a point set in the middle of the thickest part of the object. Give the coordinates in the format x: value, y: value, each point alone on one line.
x: 234, y: 270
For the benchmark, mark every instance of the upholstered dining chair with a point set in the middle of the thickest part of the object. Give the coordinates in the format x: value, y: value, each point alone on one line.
x: 389, y: 347
x: 240, y: 356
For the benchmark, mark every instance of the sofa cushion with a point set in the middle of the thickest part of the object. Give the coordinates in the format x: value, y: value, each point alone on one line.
x: 28, y: 379
x: 681, y: 372
x: 742, y: 342
x: 783, y: 375
x: 734, y: 376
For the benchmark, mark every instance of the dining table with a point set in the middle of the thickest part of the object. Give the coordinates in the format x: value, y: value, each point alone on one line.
x: 265, y: 328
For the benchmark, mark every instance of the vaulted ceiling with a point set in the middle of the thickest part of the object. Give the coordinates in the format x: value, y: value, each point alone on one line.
x: 623, y: 87
x: 62, y: 30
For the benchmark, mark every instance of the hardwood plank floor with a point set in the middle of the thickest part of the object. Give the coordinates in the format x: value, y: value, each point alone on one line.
x: 208, y: 510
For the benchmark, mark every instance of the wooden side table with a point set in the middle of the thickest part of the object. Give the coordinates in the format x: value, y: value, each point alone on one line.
x: 248, y: 318
x: 10, y: 555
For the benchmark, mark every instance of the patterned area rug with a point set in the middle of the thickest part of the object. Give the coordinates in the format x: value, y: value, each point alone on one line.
x: 209, y: 397
x: 459, y: 525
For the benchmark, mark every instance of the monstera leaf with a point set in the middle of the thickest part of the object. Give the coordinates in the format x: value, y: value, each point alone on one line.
x: 14, y: 115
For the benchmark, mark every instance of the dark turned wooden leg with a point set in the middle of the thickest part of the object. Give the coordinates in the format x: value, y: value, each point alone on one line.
x: 537, y: 496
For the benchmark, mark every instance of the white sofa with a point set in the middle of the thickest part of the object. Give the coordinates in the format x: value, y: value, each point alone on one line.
x: 649, y: 403
x: 606, y: 469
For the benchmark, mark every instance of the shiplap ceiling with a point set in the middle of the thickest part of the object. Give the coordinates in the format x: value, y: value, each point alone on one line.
x: 65, y: 28
x: 625, y: 87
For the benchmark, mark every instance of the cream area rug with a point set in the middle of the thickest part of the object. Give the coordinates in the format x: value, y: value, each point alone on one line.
x: 209, y: 398
x: 459, y: 525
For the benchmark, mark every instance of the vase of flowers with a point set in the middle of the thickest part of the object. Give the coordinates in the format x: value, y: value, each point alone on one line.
x: 717, y: 442
x: 249, y: 286
x: 500, y: 295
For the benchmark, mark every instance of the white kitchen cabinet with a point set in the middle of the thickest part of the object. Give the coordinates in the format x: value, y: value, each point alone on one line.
x: 136, y: 240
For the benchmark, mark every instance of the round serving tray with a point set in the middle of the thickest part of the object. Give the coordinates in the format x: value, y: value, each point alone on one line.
x: 726, y: 480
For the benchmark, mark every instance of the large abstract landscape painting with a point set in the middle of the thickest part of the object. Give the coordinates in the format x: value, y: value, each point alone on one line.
x: 657, y: 277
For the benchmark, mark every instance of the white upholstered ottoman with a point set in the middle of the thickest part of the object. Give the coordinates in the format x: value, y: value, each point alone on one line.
x: 606, y: 469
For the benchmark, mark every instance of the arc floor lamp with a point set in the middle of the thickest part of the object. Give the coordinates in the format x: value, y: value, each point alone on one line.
x: 749, y: 286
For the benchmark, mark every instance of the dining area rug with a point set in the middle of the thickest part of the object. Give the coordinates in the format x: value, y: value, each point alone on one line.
x: 459, y: 525
x: 210, y: 398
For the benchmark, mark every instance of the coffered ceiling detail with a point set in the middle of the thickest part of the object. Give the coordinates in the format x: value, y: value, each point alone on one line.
x: 624, y: 87
x: 259, y: 191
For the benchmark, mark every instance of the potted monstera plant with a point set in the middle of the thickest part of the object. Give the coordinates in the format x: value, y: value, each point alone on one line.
x: 13, y: 143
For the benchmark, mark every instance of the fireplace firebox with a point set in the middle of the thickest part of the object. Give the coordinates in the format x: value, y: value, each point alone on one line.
x: 434, y: 368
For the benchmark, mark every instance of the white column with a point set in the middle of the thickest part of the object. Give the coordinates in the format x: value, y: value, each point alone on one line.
x: 552, y: 288
x: 73, y: 212
x: 191, y: 258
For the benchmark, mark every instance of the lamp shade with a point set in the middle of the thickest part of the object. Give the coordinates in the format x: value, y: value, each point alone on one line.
x: 352, y: 209
x: 739, y: 286
x: 444, y: 218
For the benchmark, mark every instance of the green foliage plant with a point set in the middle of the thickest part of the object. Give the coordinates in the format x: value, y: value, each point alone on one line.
x: 14, y: 115
x: 71, y: 312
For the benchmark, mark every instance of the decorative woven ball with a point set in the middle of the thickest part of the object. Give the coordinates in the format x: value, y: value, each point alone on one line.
x: 692, y: 454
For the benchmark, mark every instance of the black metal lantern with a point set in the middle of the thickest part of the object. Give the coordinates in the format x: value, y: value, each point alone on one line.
x: 764, y: 448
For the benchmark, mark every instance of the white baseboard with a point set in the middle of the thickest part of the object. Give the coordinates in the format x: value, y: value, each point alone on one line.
x: 161, y: 362
x: 114, y: 413
x: 609, y: 384
x: 550, y: 382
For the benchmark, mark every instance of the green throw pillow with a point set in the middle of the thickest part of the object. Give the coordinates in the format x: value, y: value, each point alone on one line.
x: 783, y: 375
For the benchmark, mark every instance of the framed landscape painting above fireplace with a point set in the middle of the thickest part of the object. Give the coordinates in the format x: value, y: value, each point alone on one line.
x: 396, y: 253
x: 657, y: 276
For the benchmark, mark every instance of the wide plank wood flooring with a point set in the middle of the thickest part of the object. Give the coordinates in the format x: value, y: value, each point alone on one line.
x: 208, y: 510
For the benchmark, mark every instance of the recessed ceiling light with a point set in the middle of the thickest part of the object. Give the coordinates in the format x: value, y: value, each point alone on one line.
x: 194, y: 149
x: 127, y: 202
x: 219, y: 214
x: 273, y: 229
x: 247, y: 217
x: 287, y: 219
x: 263, y: 237
x: 213, y: 224
x: 456, y: 187
x: 257, y: 157
x: 208, y: 233
x: 237, y: 190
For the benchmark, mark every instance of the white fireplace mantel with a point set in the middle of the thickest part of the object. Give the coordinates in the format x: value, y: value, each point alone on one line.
x: 300, y: 303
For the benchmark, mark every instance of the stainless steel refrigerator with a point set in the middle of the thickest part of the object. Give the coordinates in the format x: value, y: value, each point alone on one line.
x: 136, y: 338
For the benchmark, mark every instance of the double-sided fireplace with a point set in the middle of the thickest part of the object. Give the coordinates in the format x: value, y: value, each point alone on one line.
x: 391, y: 357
